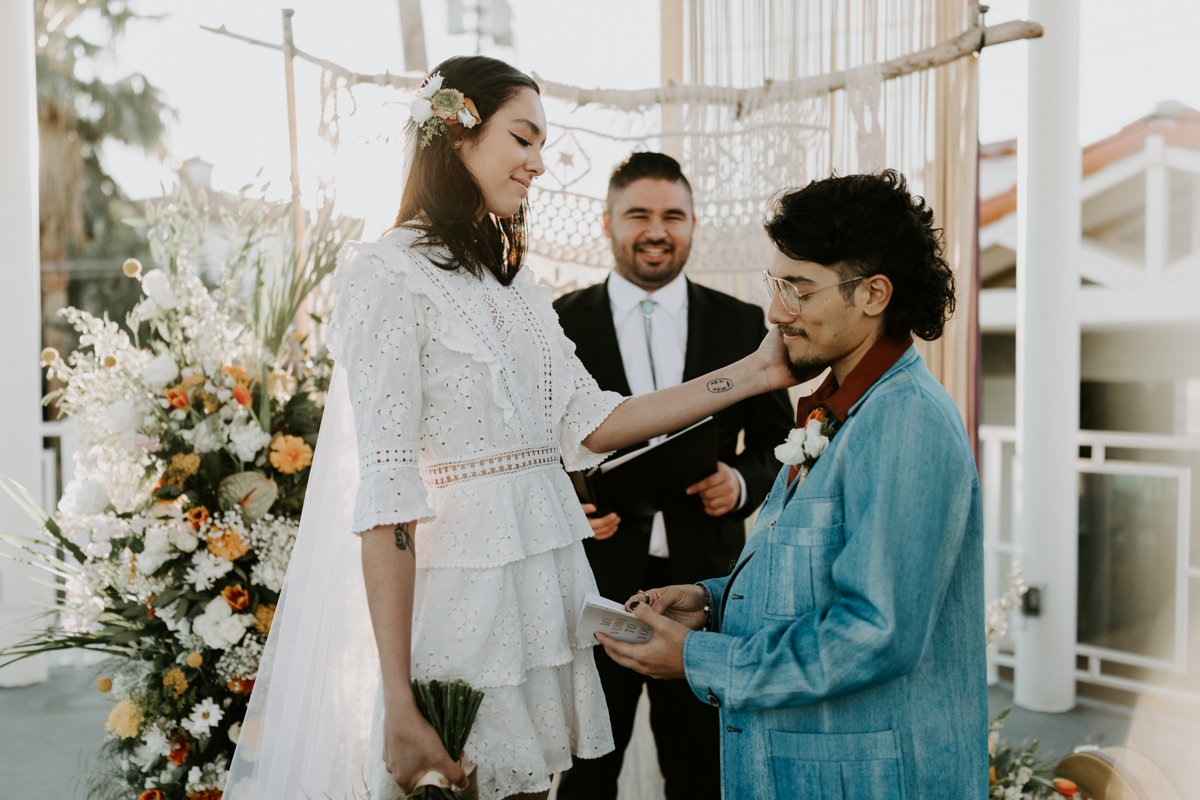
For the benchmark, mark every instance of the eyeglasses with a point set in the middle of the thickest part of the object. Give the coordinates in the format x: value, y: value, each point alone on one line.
x: 792, y: 297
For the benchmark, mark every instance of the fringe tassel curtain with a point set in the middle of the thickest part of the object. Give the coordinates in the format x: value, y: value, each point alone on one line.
x: 923, y: 125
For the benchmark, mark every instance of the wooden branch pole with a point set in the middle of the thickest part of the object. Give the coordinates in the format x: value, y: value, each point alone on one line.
x: 301, y: 320
x: 969, y: 41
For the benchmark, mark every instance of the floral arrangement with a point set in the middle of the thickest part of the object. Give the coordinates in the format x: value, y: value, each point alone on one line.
x: 436, y: 111
x: 805, y: 443
x: 1016, y: 773
x: 195, y: 452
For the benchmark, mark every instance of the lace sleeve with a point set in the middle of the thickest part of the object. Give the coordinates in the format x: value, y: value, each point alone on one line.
x: 586, y: 410
x: 381, y: 330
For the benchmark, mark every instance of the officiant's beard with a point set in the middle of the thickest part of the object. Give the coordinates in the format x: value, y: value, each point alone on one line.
x: 651, y: 276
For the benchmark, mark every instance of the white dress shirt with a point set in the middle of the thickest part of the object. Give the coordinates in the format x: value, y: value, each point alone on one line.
x: 668, y: 342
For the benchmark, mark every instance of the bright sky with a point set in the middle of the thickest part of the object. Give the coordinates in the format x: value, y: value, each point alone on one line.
x: 231, y: 102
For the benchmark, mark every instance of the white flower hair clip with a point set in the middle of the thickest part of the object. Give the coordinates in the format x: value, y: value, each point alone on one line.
x: 437, y: 111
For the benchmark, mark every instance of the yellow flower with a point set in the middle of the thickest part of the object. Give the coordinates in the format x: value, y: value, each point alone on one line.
x: 194, y: 660
x: 264, y: 615
x: 110, y: 361
x: 132, y: 267
x: 125, y: 720
x: 104, y: 684
x: 290, y: 454
x: 175, y: 680
x: 225, y: 543
x: 183, y: 466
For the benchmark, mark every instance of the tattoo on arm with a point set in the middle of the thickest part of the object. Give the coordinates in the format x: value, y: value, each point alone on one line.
x: 718, y: 385
x: 404, y: 539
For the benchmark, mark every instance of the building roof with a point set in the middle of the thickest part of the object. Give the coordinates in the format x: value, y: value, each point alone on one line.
x: 1178, y: 124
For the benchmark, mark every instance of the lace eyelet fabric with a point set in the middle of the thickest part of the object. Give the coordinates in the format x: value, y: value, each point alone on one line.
x: 468, y: 400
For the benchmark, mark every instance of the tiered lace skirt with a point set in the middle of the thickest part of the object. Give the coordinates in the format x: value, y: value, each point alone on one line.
x: 501, y: 573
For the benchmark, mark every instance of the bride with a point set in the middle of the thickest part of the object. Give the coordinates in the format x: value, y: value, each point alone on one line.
x: 455, y: 396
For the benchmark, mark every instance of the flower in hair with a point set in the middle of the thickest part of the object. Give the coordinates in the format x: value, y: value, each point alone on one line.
x: 437, y: 111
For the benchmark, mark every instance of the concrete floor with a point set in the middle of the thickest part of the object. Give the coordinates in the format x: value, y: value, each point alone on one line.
x: 48, y: 733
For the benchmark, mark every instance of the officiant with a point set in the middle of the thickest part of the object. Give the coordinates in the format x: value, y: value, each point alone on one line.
x: 648, y: 327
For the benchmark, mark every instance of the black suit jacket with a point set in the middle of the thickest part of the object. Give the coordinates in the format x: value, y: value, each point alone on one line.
x: 721, y: 330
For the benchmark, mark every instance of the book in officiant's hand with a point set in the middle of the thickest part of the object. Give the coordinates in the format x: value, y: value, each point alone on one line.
x: 642, y: 482
x: 601, y: 615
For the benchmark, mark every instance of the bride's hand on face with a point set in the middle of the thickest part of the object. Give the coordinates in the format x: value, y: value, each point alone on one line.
x: 771, y: 359
x: 411, y: 747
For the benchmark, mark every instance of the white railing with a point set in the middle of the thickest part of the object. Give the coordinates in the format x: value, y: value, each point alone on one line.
x: 999, y: 512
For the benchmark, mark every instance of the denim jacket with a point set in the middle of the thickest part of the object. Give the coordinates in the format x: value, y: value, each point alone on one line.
x: 847, y: 654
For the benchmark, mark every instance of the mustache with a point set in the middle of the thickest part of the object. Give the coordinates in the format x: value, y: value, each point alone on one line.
x: 793, y: 331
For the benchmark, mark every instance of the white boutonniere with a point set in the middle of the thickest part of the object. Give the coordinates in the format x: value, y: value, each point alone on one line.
x: 804, y: 445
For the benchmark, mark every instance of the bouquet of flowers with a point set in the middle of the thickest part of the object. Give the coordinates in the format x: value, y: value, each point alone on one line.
x: 174, y: 537
x: 450, y: 708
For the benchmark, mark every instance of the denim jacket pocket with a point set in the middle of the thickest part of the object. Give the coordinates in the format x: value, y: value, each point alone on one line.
x: 799, y: 569
x: 836, y: 766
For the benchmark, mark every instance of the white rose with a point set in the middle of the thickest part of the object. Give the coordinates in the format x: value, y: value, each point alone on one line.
x: 208, y: 629
x: 147, y: 309
x: 232, y: 629
x: 157, y: 287
x: 815, y: 445
x: 183, y: 539
x: 466, y: 119
x: 156, y: 541
x: 792, y: 449
x: 421, y: 110
x: 122, y: 416
x: 85, y: 497
x: 161, y: 371
x: 218, y: 609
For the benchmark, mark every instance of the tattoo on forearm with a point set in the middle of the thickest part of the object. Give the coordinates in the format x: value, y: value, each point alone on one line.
x: 404, y: 539
x: 718, y: 385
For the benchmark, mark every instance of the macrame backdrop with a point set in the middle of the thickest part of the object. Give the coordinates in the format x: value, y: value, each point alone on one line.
x: 738, y: 157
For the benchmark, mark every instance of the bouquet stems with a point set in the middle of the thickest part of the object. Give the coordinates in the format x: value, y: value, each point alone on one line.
x: 450, y: 707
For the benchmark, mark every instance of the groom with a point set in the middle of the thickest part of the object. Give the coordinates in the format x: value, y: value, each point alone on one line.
x: 845, y: 651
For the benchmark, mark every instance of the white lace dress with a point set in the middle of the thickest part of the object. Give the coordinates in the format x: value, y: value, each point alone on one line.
x: 465, y: 395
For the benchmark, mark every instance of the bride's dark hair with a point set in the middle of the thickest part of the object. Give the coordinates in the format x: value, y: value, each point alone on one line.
x: 442, y: 198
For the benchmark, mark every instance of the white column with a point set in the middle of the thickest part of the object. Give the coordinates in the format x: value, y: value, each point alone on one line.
x: 671, y: 28
x: 1158, y: 202
x: 1048, y: 197
x: 20, y: 312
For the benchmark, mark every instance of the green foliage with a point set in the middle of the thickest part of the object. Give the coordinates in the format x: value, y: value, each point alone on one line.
x: 450, y: 708
x: 87, y: 112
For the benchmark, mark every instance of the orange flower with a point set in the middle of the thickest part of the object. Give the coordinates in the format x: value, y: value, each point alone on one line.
x: 818, y: 414
x: 242, y: 394
x: 152, y: 794
x: 290, y: 454
x: 237, y: 373
x: 264, y: 615
x: 180, y: 747
x: 176, y: 398
x: 240, y: 685
x: 237, y: 597
x: 183, y: 466
x: 992, y: 775
x: 205, y: 794
x: 226, y: 543
x: 197, y: 515
x: 150, y: 607
x: 1065, y: 787
x: 175, y: 680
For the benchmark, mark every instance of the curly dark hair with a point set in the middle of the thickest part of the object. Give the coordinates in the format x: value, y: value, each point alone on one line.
x: 861, y: 225
x: 442, y: 198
